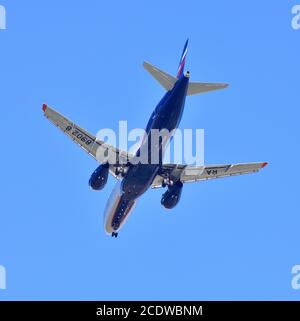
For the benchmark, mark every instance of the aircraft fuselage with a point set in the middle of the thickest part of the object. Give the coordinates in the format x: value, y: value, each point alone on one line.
x: 139, y: 177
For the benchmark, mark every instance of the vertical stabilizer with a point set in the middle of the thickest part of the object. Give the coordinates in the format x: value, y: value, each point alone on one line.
x: 182, y: 60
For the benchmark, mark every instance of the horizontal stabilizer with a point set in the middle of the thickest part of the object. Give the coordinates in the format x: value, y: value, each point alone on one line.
x: 166, y: 80
x: 201, y: 87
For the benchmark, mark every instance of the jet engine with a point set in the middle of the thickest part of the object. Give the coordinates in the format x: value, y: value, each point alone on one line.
x: 99, y: 177
x: 172, y: 196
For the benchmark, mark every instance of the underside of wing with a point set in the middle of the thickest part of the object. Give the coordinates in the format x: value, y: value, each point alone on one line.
x: 187, y: 174
x: 96, y: 148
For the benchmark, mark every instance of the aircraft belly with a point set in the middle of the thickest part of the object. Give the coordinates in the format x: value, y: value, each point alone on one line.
x: 138, y: 179
x: 117, y: 210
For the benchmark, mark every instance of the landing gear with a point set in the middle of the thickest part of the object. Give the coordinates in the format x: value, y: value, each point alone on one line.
x: 167, y: 182
x: 114, y: 234
x: 120, y: 170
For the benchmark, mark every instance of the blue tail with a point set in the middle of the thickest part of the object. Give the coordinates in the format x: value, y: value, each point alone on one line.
x: 182, y: 60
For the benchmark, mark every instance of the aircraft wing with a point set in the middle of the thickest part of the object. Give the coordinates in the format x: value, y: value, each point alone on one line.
x: 188, y: 174
x: 96, y: 148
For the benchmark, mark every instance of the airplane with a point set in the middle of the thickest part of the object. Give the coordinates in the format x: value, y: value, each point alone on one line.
x: 134, y: 178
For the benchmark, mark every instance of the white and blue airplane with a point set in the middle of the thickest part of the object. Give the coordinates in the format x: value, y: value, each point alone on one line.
x: 134, y: 178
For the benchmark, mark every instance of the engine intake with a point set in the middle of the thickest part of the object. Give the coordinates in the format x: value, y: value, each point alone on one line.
x: 99, y: 177
x: 172, y: 196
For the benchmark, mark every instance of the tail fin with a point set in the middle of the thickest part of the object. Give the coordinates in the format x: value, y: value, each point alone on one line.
x: 182, y: 60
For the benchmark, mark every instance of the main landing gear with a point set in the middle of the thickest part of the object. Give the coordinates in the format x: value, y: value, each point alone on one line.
x: 167, y: 182
x: 114, y: 234
x: 120, y: 170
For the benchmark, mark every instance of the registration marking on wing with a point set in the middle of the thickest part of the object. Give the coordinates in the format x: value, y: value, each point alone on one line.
x: 79, y: 135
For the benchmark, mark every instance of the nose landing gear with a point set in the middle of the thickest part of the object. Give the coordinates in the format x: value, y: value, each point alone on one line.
x: 114, y: 234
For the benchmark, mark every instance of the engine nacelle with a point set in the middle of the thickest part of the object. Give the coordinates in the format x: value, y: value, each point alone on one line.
x: 99, y: 178
x: 172, y: 196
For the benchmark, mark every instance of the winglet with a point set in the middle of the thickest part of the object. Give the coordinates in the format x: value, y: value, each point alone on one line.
x: 44, y: 107
x: 264, y: 164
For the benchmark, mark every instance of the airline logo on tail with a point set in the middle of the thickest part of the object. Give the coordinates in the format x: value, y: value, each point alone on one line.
x: 182, y: 60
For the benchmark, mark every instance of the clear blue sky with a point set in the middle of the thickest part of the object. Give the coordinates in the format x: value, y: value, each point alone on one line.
x: 235, y: 238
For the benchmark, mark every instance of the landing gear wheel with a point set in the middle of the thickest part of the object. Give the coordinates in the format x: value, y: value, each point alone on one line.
x: 120, y: 170
x: 114, y: 234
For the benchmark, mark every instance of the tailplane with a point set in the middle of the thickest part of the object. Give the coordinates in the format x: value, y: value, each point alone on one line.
x: 168, y: 81
x: 204, y: 87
